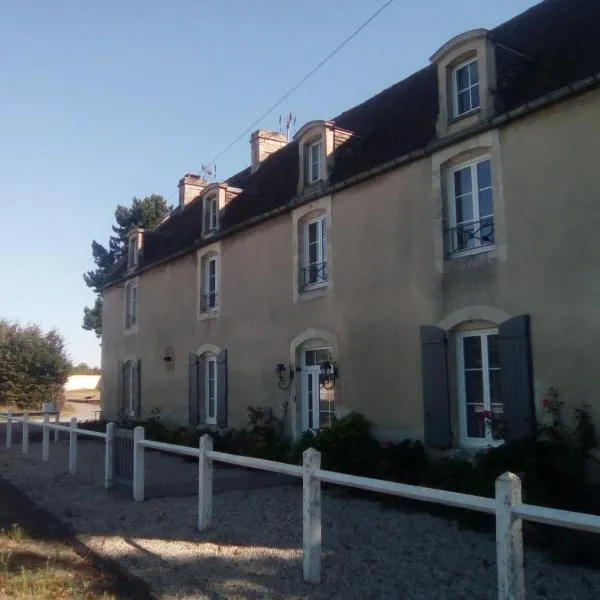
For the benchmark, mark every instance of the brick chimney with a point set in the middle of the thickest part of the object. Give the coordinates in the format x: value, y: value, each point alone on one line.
x: 190, y: 186
x: 263, y: 144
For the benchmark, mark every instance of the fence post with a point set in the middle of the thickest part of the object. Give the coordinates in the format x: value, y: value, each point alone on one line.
x: 46, y: 438
x: 25, y: 434
x: 311, y: 516
x: 73, y: 446
x: 509, y: 539
x: 108, y: 456
x: 205, y: 483
x: 56, y: 431
x: 9, y: 429
x: 138, y: 464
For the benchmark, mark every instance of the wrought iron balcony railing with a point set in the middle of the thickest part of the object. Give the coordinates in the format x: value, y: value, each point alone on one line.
x: 208, y: 302
x: 312, y: 275
x: 469, y: 236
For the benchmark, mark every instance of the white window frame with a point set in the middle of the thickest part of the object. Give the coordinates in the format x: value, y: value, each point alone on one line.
x: 131, y: 305
x: 472, y: 165
x: 315, y: 371
x: 132, y: 253
x: 321, y: 222
x: 208, y: 360
x: 467, y: 441
x: 455, y: 71
x: 206, y: 281
x: 211, y: 214
x: 315, y: 168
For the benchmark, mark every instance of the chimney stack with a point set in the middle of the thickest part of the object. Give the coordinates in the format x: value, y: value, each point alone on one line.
x: 263, y: 144
x: 190, y: 187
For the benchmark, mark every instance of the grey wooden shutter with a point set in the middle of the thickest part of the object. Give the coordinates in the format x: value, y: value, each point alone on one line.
x: 436, y: 402
x: 193, y: 391
x: 136, y: 373
x: 120, y: 388
x: 222, y: 389
x: 516, y: 380
x: 202, y: 389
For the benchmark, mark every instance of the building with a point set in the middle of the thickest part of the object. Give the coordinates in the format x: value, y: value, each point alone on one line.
x: 428, y: 258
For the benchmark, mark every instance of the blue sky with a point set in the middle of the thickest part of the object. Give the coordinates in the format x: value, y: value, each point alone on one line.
x: 103, y: 100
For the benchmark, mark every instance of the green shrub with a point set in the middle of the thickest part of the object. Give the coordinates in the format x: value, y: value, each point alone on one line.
x: 403, y: 462
x: 346, y: 446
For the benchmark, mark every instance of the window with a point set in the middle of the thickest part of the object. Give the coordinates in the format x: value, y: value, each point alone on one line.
x: 480, y: 396
x: 314, y: 161
x: 131, y: 305
x: 314, y: 270
x: 210, y: 391
x: 209, y: 295
x: 471, y: 207
x: 318, y: 406
x: 210, y: 214
x: 466, y: 88
x: 132, y: 254
x: 130, y: 388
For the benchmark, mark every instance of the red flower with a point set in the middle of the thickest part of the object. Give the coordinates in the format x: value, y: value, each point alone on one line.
x: 486, y: 414
x: 546, y: 402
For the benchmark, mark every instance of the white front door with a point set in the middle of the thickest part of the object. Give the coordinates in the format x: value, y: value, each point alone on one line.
x: 318, y: 408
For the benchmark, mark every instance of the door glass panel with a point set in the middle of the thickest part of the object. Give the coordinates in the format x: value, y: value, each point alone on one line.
x: 310, y: 398
x: 472, y: 352
x: 474, y: 404
x: 326, y: 407
x: 211, y: 388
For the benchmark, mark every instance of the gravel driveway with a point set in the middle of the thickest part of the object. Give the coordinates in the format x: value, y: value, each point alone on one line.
x: 254, y: 547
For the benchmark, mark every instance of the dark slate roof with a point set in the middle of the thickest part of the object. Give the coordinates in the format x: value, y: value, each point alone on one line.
x: 552, y: 44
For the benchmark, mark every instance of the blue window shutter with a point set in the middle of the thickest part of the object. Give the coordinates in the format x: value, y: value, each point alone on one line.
x: 516, y: 377
x: 193, y: 390
x: 436, y: 402
x: 222, y: 389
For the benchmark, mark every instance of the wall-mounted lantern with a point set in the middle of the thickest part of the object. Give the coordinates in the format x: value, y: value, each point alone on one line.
x: 285, y: 374
x: 328, y: 374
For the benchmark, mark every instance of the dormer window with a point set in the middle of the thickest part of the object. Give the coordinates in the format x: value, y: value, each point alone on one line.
x: 466, y: 87
x: 314, y: 161
x: 211, y: 214
x: 132, y: 253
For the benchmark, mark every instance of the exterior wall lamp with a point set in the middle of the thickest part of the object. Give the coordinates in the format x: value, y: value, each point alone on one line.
x: 328, y: 374
x: 285, y: 374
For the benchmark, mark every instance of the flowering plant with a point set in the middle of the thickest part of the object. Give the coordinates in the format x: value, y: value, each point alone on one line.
x: 495, y: 425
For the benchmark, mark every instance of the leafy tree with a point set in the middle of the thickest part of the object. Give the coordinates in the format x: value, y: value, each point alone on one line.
x: 34, y: 365
x: 85, y: 369
x: 147, y: 214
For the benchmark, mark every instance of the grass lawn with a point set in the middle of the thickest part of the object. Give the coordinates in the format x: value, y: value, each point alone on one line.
x: 36, y: 564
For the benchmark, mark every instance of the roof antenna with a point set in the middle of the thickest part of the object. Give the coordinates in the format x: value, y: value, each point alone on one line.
x: 209, y: 172
x: 287, y: 124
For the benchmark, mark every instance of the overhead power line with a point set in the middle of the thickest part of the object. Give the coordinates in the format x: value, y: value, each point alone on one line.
x: 307, y: 76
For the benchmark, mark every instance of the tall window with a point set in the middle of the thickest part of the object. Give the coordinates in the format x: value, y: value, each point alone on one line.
x: 315, y: 151
x: 314, y: 270
x: 318, y: 406
x: 132, y: 259
x: 131, y: 305
x: 210, y: 391
x: 209, y: 297
x: 471, y: 207
x: 210, y: 214
x: 466, y: 88
x: 479, y: 386
x: 130, y: 391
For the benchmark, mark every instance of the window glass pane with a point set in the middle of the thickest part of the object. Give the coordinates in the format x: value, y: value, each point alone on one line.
x: 474, y: 387
x: 475, y: 96
x: 464, y: 102
x: 212, y: 268
x: 309, y: 358
x: 326, y: 408
x: 462, y: 78
x: 211, y: 385
x: 464, y: 209
x: 472, y: 352
x: 486, y: 203
x: 313, y: 233
x: 321, y: 355
x: 474, y: 72
x: 475, y: 422
x: 493, y: 351
x: 462, y: 182
x: 484, y: 174
x: 495, y: 394
x: 310, y: 399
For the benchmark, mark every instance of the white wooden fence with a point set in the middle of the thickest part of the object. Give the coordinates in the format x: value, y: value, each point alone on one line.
x: 507, y: 505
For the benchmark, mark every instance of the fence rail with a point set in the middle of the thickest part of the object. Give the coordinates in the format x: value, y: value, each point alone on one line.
x: 507, y: 506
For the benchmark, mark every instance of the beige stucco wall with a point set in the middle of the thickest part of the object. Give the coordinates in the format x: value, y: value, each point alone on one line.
x: 387, y: 280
